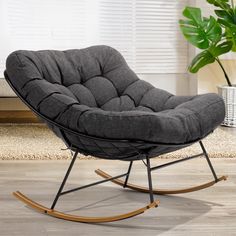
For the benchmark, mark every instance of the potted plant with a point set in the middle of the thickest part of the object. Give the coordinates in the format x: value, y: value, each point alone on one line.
x: 214, y: 36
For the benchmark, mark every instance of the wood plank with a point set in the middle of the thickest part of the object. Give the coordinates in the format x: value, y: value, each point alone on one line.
x: 207, y: 212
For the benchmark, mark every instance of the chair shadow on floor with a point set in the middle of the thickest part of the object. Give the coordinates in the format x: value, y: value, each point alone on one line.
x: 173, y: 211
x: 106, y: 200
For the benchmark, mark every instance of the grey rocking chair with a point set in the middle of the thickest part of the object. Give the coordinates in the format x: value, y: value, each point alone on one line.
x: 98, y: 106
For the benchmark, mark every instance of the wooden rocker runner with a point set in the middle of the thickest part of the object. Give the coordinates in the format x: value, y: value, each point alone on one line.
x: 55, y: 213
x: 83, y: 219
x: 159, y: 191
x: 138, y: 188
x: 98, y: 106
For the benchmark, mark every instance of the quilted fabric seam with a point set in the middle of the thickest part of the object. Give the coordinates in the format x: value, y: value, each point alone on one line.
x: 49, y: 95
x: 58, y: 67
x: 20, y: 61
x: 108, y: 101
x: 129, y: 86
x: 29, y: 81
x: 78, y: 120
x: 154, y: 114
x: 140, y: 100
x: 65, y: 110
x: 163, y: 106
x: 35, y: 64
x: 43, y: 66
x: 199, y: 111
x: 130, y: 98
x: 152, y: 110
x: 74, y: 66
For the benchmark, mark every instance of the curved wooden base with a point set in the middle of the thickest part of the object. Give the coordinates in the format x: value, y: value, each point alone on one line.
x: 83, y: 219
x: 159, y: 191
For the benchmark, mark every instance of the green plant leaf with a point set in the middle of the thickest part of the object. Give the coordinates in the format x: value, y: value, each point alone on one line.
x: 209, y: 56
x: 225, y: 15
x: 231, y: 36
x: 199, y: 61
x: 225, y: 23
x: 223, y: 4
x: 199, y: 31
x: 230, y: 32
x: 220, y: 49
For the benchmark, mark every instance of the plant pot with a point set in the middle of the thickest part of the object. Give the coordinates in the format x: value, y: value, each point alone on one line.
x: 229, y: 96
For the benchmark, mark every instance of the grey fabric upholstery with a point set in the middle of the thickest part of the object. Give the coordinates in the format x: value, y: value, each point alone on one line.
x: 93, y: 91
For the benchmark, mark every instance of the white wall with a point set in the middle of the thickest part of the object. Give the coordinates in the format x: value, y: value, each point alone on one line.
x: 176, y: 84
x: 158, y: 36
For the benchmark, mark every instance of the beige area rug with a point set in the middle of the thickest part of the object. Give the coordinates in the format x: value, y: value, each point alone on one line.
x: 37, y: 142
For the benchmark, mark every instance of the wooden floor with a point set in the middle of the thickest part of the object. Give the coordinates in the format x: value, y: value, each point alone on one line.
x: 207, y: 212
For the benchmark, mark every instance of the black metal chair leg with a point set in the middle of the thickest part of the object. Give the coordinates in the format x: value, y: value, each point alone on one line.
x: 208, y: 161
x: 127, y: 176
x: 64, y: 180
x: 149, y: 180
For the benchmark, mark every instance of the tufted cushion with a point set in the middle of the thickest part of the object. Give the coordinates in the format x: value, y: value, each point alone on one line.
x: 93, y: 91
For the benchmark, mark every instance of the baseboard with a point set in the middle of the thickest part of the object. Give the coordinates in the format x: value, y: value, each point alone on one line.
x: 12, y: 104
x: 18, y: 117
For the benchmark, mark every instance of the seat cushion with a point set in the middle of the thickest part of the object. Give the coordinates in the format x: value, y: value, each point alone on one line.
x: 93, y: 91
x: 186, y: 122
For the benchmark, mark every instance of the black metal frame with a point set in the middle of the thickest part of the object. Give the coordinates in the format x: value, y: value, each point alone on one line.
x: 127, y: 174
x: 61, y: 192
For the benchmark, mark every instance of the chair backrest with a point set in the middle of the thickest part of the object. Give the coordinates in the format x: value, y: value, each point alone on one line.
x: 97, y: 77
